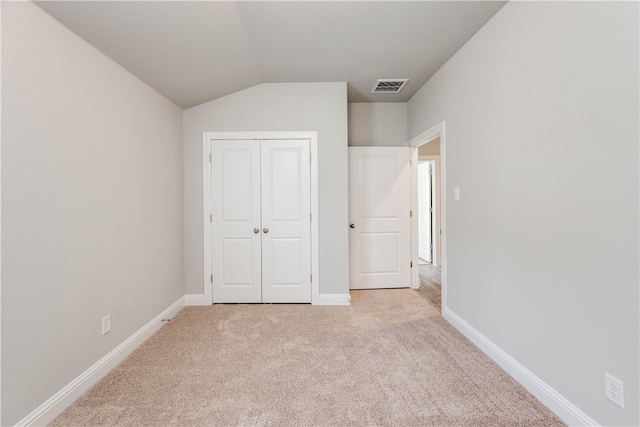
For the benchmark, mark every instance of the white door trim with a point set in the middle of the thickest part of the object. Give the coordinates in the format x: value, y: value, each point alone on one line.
x: 312, y: 136
x: 415, y: 142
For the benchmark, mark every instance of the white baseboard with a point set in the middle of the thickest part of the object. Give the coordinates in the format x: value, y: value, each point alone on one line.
x: 195, y: 299
x: 333, y: 299
x: 53, y: 407
x: 322, y: 299
x: 558, y: 404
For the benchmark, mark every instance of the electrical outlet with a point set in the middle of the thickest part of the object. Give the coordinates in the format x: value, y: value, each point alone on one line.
x: 614, y: 390
x: 106, y: 324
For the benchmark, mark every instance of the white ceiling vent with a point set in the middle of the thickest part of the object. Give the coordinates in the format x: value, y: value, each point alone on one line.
x: 389, y: 85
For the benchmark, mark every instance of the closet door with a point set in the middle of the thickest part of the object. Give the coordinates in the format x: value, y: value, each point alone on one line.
x: 236, y: 228
x: 286, y: 221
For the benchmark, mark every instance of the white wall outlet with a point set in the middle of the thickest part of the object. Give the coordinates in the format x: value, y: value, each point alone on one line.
x: 614, y: 390
x: 106, y: 324
x: 456, y: 193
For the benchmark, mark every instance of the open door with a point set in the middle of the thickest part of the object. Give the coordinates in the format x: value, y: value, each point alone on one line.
x: 379, y: 211
x: 424, y: 211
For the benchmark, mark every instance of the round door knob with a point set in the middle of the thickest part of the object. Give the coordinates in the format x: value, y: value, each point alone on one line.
x: 256, y: 230
x: 352, y: 225
x: 265, y: 230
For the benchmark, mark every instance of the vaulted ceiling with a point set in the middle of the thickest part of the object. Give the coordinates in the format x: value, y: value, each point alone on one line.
x: 196, y: 51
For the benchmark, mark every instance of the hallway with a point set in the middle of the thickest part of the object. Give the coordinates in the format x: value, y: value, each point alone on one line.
x: 430, y: 286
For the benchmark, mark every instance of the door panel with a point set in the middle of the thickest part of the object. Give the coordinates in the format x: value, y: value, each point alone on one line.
x: 284, y: 186
x: 236, y: 186
x: 379, y: 201
x: 286, y: 214
x: 379, y: 253
x: 235, y: 192
x: 236, y: 272
x: 287, y: 262
x: 379, y: 206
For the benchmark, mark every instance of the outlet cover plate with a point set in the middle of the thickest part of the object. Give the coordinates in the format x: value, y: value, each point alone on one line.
x: 614, y: 390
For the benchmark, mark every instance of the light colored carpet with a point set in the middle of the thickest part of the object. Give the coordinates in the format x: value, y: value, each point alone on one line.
x: 389, y: 359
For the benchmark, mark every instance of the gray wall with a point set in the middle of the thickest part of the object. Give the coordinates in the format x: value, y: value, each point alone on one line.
x: 318, y: 107
x: 378, y: 124
x: 542, y: 248
x: 91, y: 206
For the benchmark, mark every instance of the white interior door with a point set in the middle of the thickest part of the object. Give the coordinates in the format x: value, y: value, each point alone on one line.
x: 424, y: 211
x: 236, y: 235
x: 379, y: 207
x: 261, y: 221
x: 286, y: 221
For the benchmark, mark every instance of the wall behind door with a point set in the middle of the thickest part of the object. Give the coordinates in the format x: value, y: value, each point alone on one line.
x: 318, y: 107
x: 382, y: 124
x: 431, y: 148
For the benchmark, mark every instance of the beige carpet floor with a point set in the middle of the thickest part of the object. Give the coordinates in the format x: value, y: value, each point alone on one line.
x: 389, y: 359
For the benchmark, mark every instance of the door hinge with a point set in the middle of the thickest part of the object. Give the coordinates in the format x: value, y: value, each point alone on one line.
x: 212, y: 278
x: 310, y: 217
x: 309, y: 156
x: 209, y: 157
x: 311, y: 277
x: 410, y: 162
x: 211, y: 218
x: 410, y: 214
x: 411, y: 264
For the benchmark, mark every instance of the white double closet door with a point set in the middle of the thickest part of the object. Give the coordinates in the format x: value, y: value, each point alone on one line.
x: 261, y: 221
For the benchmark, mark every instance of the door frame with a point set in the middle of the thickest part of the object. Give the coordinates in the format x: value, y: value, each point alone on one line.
x: 312, y: 136
x: 430, y: 134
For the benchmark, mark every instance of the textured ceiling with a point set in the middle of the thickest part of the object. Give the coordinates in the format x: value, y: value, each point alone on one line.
x: 196, y: 51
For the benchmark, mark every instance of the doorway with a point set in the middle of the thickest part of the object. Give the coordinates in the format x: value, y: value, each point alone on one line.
x: 432, y: 201
x: 428, y: 231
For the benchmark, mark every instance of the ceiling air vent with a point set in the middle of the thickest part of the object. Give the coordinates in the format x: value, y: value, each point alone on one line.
x: 389, y: 85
